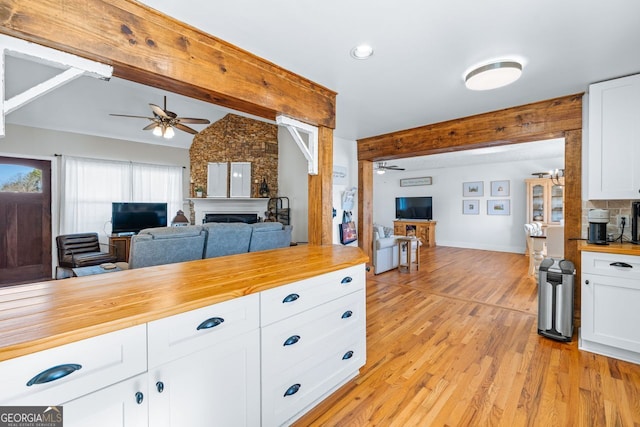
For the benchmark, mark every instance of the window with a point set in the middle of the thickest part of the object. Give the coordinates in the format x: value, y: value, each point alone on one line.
x: 20, y: 179
x: 90, y: 186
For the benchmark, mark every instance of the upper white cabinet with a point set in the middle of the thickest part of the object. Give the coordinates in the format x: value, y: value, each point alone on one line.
x: 614, y: 139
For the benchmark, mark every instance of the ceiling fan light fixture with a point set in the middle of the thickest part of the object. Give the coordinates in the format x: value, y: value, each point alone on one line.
x: 157, y: 131
x: 380, y: 171
x: 362, y: 51
x: 493, y: 75
x: 168, y: 132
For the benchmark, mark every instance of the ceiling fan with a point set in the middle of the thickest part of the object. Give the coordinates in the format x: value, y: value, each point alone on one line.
x: 163, y: 121
x: 382, y: 167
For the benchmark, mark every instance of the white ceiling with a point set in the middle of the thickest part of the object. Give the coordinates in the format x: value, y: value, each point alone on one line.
x: 415, y: 77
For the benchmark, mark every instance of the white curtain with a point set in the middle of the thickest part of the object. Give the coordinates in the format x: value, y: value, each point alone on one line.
x: 90, y: 186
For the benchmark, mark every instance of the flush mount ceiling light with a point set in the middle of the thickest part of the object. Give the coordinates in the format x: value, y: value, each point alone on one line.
x: 493, y: 75
x: 362, y: 51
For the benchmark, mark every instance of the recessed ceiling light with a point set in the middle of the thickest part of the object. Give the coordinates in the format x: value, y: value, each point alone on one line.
x: 362, y: 51
x: 493, y: 75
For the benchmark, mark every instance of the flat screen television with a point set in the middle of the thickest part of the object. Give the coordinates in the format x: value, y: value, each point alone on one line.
x: 414, y: 208
x: 131, y: 217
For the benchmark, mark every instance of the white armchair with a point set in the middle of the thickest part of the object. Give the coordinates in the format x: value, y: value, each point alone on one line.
x: 385, y: 251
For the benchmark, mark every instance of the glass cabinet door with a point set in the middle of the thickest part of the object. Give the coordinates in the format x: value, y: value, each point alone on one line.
x: 557, y: 203
x: 537, y: 202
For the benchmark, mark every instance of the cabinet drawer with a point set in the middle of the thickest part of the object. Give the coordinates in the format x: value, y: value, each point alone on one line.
x: 313, y: 332
x: 297, y: 389
x: 288, y: 300
x: 186, y: 333
x: 80, y: 368
x: 623, y: 266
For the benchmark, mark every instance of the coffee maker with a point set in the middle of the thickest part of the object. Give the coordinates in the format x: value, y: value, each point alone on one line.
x: 598, y: 220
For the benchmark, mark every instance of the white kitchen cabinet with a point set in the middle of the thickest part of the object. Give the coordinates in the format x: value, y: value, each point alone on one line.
x: 124, y: 404
x: 313, y: 341
x: 614, y: 139
x: 610, y: 300
x: 204, y: 366
x: 67, y: 372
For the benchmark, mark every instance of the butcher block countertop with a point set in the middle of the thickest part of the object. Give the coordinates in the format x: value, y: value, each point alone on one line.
x: 611, y: 248
x: 44, y: 315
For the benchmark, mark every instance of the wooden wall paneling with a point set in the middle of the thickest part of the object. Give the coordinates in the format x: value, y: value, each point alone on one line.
x: 148, y: 47
x: 365, y: 204
x: 573, y: 207
x: 321, y: 192
x: 531, y: 122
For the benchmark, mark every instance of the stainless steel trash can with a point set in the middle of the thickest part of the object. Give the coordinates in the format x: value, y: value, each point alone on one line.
x: 556, y: 281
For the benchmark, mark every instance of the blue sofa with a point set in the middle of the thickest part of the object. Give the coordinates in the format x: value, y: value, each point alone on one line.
x: 166, y: 245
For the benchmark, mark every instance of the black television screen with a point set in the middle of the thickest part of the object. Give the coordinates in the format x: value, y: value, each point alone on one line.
x: 131, y: 217
x: 414, y: 208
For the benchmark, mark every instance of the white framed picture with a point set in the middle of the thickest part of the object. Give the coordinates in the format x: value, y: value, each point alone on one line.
x: 470, y: 207
x: 499, y: 188
x: 471, y: 189
x: 499, y: 207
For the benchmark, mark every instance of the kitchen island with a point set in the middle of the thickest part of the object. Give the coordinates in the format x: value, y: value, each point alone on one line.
x: 207, y: 324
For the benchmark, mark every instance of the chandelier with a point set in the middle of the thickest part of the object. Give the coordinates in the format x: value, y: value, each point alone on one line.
x: 553, y: 175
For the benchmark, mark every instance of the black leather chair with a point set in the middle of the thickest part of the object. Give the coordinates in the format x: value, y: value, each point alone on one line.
x: 81, y: 250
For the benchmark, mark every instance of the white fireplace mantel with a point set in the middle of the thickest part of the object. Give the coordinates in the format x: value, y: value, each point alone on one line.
x: 205, y: 205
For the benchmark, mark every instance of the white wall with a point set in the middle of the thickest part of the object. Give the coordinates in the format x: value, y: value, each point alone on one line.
x: 293, y: 182
x: 345, y: 154
x: 482, y: 231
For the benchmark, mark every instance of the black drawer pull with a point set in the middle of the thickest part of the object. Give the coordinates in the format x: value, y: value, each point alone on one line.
x: 348, y: 355
x: 621, y: 264
x: 54, y: 373
x: 292, y: 340
x: 292, y: 390
x: 160, y: 386
x: 347, y: 314
x: 346, y: 280
x: 290, y: 298
x: 210, y: 323
x: 139, y: 398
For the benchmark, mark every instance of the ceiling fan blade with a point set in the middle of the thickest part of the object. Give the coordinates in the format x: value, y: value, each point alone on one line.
x: 158, y: 111
x: 134, y: 117
x: 185, y: 128
x: 150, y: 126
x: 395, y: 168
x: 193, y: 121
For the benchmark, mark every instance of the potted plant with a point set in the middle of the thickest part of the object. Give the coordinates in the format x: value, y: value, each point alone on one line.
x: 199, y: 191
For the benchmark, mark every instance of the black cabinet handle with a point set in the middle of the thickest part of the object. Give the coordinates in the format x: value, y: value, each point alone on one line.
x: 346, y: 280
x: 621, y: 264
x: 292, y: 390
x: 54, y: 373
x: 210, y: 323
x: 348, y: 355
x: 290, y: 298
x: 160, y: 386
x: 292, y: 340
x: 347, y: 314
x: 139, y: 398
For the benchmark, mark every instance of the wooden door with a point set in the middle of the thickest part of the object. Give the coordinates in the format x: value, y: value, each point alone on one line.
x: 25, y: 220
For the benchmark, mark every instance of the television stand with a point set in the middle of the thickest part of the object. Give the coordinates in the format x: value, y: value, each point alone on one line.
x: 422, y: 229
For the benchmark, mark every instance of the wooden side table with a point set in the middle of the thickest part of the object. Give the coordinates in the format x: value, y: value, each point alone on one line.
x: 406, y: 243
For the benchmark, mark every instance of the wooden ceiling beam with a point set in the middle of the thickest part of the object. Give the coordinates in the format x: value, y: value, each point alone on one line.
x: 153, y: 49
x: 526, y: 123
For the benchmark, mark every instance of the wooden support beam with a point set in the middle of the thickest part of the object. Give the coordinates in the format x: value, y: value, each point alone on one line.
x: 148, y: 47
x: 536, y: 121
x: 365, y: 211
x: 321, y: 192
x: 573, y: 206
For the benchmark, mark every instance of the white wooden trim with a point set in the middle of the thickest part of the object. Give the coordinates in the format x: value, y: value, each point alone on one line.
x: 310, y: 148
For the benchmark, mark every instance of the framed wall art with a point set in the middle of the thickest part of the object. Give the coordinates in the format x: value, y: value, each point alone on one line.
x: 410, y: 182
x: 471, y: 189
x: 499, y: 207
x: 470, y: 207
x: 499, y: 188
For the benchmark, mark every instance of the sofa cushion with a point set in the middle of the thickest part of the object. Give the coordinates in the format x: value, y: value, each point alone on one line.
x: 166, y: 245
x: 227, y: 238
x: 385, y: 242
x: 269, y: 235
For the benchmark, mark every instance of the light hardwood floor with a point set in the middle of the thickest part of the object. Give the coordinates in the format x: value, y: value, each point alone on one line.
x: 456, y: 344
